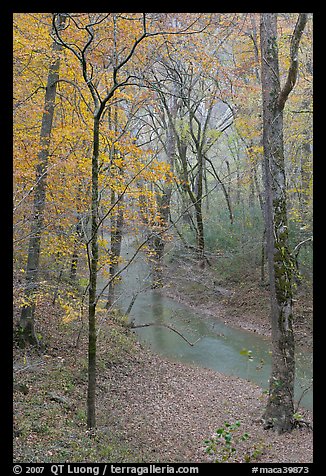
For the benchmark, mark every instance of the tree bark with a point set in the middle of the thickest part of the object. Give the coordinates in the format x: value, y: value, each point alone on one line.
x: 32, y: 270
x: 195, y: 196
x: 74, y: 259
x: 91, y: 421
x: 280, y: 407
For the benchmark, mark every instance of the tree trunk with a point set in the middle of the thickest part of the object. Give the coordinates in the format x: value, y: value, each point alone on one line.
x: 116, y: 222
x: 115, y: 252
x: 200, y: 239
x: 163, y: 201
x: 196, y: 198
x: 305, y: 172
x: 91, y: 420
x: 159, y: 241
x: 280, y: 407
x: 32, y: 269
x: 74, y: 259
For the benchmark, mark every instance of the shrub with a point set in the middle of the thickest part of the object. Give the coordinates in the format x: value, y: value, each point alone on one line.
x: 222, y: 445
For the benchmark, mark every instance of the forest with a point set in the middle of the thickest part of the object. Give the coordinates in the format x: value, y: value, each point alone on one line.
x: 162, y: 237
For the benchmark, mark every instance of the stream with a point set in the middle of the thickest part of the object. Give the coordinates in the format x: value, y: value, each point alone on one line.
x: 217, y: 346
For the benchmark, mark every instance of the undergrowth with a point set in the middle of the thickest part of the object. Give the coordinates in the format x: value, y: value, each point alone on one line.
x: 50, y: 393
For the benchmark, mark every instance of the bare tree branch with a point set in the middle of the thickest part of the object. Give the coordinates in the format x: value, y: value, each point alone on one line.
x: 293, y: 69
x: 137, y: 326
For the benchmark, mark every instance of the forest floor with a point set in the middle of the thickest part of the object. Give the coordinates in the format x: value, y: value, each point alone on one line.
x: 149, y: 409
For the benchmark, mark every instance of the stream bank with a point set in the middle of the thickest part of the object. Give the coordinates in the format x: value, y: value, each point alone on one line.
x: 149, y: 409
x: 199, y: 311
x: 244, y: 305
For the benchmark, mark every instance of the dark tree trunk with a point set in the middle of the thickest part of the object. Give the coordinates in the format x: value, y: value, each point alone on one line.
x: 91, y: 421
x: 186, y: 214
x: 200, y: 239
x: 74, y: 259
x: 280, y: 407
x: 32, y: 270
x: 195, y: 198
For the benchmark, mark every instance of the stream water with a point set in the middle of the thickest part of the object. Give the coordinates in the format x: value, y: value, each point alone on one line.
x: 218, y: 347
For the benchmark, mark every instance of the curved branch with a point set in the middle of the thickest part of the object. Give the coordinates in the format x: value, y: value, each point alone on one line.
x: 137, y: 326
x: 296, y: 250
x: 19, y: 103
x: 293, y: 69
x: 131, y: 52
x: 58, y: 39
